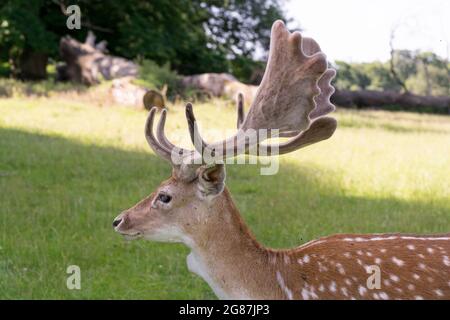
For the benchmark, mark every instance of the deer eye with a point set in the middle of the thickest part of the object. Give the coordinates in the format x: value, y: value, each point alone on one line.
x: 164, y: 198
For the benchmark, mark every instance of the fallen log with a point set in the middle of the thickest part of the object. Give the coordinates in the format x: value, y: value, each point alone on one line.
x: 368, y: 99
x: 88, y: 62
x: 219, y: 85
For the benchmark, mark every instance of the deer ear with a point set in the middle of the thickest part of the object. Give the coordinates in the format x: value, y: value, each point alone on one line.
x: 211, y: 180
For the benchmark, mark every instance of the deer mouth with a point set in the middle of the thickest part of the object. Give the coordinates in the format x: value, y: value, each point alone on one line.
x: 131, y: 236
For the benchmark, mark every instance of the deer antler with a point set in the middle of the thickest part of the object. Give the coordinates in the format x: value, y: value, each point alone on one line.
x: 295, y: 90
x: 293, y: 99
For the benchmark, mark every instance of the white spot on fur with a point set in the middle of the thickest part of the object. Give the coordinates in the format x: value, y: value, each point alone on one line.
x: 305, y: 294
x: 377, y: 260
x: 421, y: 256
x: 384, y: 296
x: 362, y: 291
x: 332, y: 286
x: 312, y: 293
x: 308, y: 292
x: 340, y: 268
x: 348, y: 282
x: 386, y: 282
x: 422, y: 266
x: 430, y: 250
x: 306, y: 259
x: 394, y: 278
x: 438, y: 293
x: 344, y: 291
x: 418, y: 297
x: 359, y: 252
x: 411, y: 287
x: 376, y: 296
x: 369, y: 254
x: 383, y: 250
x: 416, y: 276
x: 398, y: 262
x: 322, y: 288
x: 322, y: 268
x: 411, y: 247
x: 283, y: 286
x: 446, y: 261
x: 347, y: 255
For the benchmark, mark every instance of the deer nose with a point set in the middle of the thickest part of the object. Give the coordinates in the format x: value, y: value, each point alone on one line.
x: 117, y: 222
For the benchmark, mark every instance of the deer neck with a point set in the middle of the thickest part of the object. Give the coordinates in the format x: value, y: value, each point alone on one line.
x: 227, y: 256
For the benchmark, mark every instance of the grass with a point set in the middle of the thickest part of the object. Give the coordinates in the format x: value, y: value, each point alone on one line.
x: 68, y: 168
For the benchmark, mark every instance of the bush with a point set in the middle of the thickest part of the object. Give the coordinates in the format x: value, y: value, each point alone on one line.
x: 153, y: 76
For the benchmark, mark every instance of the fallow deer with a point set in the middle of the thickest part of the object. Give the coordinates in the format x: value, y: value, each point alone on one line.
x: 194, y: 207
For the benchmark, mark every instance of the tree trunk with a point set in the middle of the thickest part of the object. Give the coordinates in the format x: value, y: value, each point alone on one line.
x: 367, y: 99
x: 33, y: 65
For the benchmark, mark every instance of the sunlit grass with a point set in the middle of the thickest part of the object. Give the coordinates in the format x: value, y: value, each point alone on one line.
x: 68, y: 168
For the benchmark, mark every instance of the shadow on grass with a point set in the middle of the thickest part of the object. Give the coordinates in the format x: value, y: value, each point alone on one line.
x: 59, y: 198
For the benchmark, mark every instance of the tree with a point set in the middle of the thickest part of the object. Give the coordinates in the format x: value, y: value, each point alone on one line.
x: 351, y: 77
x: 25, y: 40
x: 193, y: 36
x: 431, y: 77
x: 241, y: 27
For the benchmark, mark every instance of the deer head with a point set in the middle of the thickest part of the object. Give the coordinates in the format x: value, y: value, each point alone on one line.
x: 294, y: 97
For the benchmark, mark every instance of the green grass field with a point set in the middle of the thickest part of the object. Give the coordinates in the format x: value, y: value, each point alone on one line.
x: 67, y: 169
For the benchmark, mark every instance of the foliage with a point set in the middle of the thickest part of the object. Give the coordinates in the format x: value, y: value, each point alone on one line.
x: 193, y: 36
x: 247, y: 69
x: 153, y: 76
x: 432, y: 76
x: 241, y: 26
x: 64, y: 179
x: 350, y: 78
x: 22, y: 24
x: 424, y: 73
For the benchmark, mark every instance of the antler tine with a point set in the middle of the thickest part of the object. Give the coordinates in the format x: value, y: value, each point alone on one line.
x: 323, y: 104
x: 160, y: 134
x: 160, y: 131
x: 240, y: 110
x: 226, y: 148
x: 321, y: 129
x: 158, y: 148
x: 194, y: 133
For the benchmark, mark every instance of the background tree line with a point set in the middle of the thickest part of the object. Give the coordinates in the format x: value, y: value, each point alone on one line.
x: 192, y: 36
x: 422, y: 73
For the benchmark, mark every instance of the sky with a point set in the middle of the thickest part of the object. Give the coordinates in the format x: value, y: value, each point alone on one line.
x: 360, y: 30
